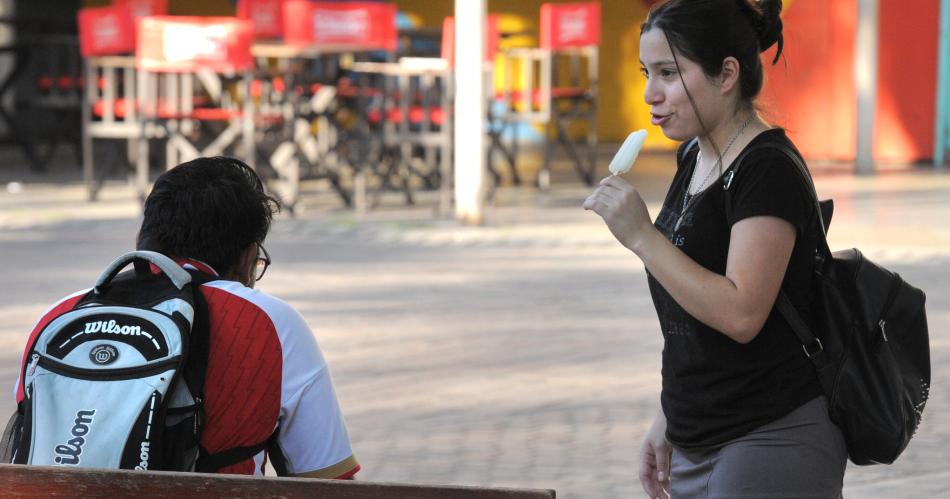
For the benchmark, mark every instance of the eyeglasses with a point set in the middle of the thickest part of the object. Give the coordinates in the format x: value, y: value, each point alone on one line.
x: 263, y: 261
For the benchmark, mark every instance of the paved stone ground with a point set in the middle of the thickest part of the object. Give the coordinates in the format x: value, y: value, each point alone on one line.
x: 523, y: 353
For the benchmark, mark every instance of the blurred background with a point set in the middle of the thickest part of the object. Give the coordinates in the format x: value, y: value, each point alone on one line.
x: 482, y: 328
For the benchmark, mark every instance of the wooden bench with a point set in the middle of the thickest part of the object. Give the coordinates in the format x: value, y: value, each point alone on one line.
x: 43, y: 481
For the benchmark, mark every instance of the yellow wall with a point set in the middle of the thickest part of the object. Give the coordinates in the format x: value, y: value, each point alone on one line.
x: 621, y: 86
x: 186, y: 7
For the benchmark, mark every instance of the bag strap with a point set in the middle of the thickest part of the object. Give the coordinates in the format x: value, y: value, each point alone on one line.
x: 10, y: 437
x: 824, y: 209
x: 179, y: 276
x: 199, y: 345
x: 810, y: 343
x: 211, y: 463
x: 689, y: 145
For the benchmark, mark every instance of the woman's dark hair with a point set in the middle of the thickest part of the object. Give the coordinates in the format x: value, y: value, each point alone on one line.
x: 708, y: 31
x: 209, y: 209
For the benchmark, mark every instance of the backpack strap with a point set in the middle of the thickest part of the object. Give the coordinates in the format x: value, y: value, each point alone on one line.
x: 211, y: 463
x: 199, y: 345
x: 810, y: 344
x: 685, y: 150
x: 11, y: 434
x: 824, y: 209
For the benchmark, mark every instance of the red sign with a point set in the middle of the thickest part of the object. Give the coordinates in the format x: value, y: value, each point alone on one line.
x: 565, y: 25
x: 367, y: 25
x: 181, y: 43
x: 267, y: 16
x: 106, y: 31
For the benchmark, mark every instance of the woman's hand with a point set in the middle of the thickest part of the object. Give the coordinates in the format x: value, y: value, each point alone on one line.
x: 622, y: 208
x: 655, y: 456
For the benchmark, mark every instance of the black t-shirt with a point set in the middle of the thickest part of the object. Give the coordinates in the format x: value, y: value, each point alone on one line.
x: 715, y: 389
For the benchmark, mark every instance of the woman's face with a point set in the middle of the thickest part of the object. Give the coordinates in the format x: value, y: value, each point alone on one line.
x: 670, y: 107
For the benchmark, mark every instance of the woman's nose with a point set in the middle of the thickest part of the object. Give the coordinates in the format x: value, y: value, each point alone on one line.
x: 652, y: 95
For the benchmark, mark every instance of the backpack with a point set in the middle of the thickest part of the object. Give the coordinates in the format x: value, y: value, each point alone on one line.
x: 867, y: 339
x: 118, y: 380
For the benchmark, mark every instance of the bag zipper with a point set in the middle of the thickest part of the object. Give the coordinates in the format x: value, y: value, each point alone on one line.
x: 98, y: 374
x: 891, y: 296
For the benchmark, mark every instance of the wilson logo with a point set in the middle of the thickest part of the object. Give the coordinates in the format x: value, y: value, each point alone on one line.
x: 103, y: 355
x: 143, y: 457
x: 111, y: 327
x: 69, y: 452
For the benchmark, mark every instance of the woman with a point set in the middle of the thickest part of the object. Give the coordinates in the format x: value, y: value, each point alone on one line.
x: 741, y: 409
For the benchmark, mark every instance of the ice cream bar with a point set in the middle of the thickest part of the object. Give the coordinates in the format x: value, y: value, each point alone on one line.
x: 628, y: 152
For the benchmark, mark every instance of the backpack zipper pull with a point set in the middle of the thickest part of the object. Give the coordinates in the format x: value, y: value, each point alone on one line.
x: 31, y: 370
x: 880, y: 324
x: 34, y: 360
x: 198, y: 402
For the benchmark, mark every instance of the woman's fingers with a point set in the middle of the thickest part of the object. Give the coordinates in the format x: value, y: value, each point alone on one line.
x: 648, y: 472
x: 599, y: 201
x: 615, y: 182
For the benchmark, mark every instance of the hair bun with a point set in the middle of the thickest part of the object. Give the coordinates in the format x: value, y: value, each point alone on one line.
x: 769, y: 26
x: 764, y: 15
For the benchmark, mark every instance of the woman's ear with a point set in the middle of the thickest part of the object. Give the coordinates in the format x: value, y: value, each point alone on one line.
x: 729, y: 76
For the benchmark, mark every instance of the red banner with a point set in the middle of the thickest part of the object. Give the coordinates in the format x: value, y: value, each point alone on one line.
x: 367, y: 25
x: 565, y: 25
x: 106, y: 31
x: 180, y: 43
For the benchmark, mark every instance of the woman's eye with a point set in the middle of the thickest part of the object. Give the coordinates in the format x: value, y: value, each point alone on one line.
x: 666, y: 73
x: 644, y: 72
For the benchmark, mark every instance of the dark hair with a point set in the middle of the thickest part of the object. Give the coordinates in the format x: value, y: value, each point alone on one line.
x: 708, y: 31
x: 209, y: 209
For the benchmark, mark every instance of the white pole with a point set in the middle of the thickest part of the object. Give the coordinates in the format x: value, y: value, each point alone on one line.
x: 469, y: 111
x: 865, y: 80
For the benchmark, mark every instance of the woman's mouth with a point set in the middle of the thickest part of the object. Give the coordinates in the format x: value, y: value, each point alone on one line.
x: 660, y: 119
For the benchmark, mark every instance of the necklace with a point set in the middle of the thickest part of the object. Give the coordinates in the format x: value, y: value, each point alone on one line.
x: 687, y: 199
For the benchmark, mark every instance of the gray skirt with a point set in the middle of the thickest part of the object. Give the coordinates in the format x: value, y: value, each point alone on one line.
x: 801, y: 455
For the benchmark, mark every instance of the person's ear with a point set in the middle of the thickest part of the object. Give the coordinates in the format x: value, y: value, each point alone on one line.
x: 729, y: 76
x: 243, y: 269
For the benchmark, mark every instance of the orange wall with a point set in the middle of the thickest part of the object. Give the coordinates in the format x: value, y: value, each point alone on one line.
x: 812, y: 91
x: 907, y: 95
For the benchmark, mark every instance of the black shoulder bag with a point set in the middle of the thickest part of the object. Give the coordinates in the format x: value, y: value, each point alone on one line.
x: 869, y: 344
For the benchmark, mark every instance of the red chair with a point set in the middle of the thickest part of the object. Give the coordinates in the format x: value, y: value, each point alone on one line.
x: 109, y: 109
x: 560, y: 83
x: 315, y: 37
x: 409, y: 121
x: 194, y: 76
x: 266, y: 15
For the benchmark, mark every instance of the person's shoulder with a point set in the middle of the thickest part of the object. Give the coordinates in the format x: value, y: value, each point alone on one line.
x: 770, y: 149
x: 237, y: 295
